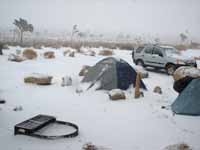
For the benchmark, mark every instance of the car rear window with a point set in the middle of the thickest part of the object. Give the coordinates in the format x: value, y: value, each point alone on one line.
x: 139, y: 49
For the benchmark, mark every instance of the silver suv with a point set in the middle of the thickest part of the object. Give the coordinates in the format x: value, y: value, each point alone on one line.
x: 157, y: 56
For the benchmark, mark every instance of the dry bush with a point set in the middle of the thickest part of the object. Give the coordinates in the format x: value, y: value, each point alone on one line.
x: 38, y: 80
x: 29, y: 54
x: 72, y: 54
x: 91, y: 53
x: 49, y: 55
x: 77, y: 46
x: 106, y: 52
x: 66, y: 52
x: 181, y: 47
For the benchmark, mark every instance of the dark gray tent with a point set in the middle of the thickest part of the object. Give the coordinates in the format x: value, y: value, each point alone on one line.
x: 188, y: 102
x: 112, y: 73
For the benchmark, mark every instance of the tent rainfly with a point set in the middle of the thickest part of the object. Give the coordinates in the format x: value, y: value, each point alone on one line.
x: 188, y: 102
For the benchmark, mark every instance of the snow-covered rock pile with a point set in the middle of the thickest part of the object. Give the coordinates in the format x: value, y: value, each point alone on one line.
x: 66, y: 81
x: 184, y: 71
x: 16, y: 58
x: 49, y: 55
x: 158, y: 90
x: 106, y: 52
x: 116, y: 94
x: 30, y: 54
x: 181, y: 146
x: 39, y: 79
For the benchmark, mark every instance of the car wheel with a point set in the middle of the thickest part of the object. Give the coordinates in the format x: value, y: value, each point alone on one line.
x: 170, y: 69
x: 140, y: 63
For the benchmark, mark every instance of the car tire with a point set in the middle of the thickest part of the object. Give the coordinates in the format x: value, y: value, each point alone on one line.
x: 140, y: 63
x: 170, y: 68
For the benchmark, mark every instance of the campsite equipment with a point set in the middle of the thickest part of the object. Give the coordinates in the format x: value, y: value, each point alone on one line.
x: 188, y: 102
x: 31, y: 126
x: 112, y: 73
x: 137, y: 85
x: 2, y: 101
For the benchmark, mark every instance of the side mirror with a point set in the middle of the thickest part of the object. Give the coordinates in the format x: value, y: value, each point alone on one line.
x: 161, y: 55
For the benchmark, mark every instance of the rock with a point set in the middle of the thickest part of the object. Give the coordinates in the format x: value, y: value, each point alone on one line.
x: 79, y: 90
x: 89, y: 146
x: 106, y: 52
x: 90, y: 53
x: 184, y: 71
x: 84, y: 70
x: 158, y: 90
x: 181, y: 146
x: 18, y: 108
x: 15, y: 58
x: 29, y: 54
x: 66, y: 81
x: 72, y: 54
x: 39, y: 79
x: 2, y: 101
x: 66, y: 52
x: 116, y: 94
x: 49, y: 55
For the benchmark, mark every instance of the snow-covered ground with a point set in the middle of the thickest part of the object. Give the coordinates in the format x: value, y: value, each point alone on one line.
x: 133, y: 124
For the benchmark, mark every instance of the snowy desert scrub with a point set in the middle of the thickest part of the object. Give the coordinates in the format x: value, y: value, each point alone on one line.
x: 116, y: 94
x: 49, y: 55
x: 106, y: 53
x: 39, y: 79
x: 30, y: 54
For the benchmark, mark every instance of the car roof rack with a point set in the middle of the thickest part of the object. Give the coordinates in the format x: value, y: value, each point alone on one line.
x: 31, y: 126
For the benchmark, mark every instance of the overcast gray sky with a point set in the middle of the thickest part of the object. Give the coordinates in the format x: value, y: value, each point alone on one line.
x: 164, y: 17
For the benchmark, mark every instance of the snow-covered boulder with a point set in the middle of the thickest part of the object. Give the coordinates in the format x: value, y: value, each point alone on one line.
x: 39, y: 79
x: 18, y: 108
x: 106, y: 52
x: 72, y: 54
x: 90, y: 53
x: 90, y: 146
x: 30, y: 54
x: 16, y: 58
x: 158, y: 90
x: 184, y: 71
x: 66, y: 52
x: 116, y: 94
x: 79, y: 90
x: 84, y: 70
x: 181, y: 146
x: 66, y: 81
x: 49, y: 55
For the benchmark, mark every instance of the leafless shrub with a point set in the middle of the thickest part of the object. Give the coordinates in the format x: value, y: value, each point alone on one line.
x: 106, y: 52
x: 29, y: 54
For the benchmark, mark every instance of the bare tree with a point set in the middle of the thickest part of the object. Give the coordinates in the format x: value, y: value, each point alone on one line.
x: 74, y: 31
x: 183, y: 37
x: 157, y: 40
x: 23, y: 26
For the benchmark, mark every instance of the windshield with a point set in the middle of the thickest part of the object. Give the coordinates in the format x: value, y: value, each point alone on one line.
x: 171, y: 51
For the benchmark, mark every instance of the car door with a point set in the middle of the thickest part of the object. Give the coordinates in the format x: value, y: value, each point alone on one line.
x: 157, y: 57
x: 147, y: 55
